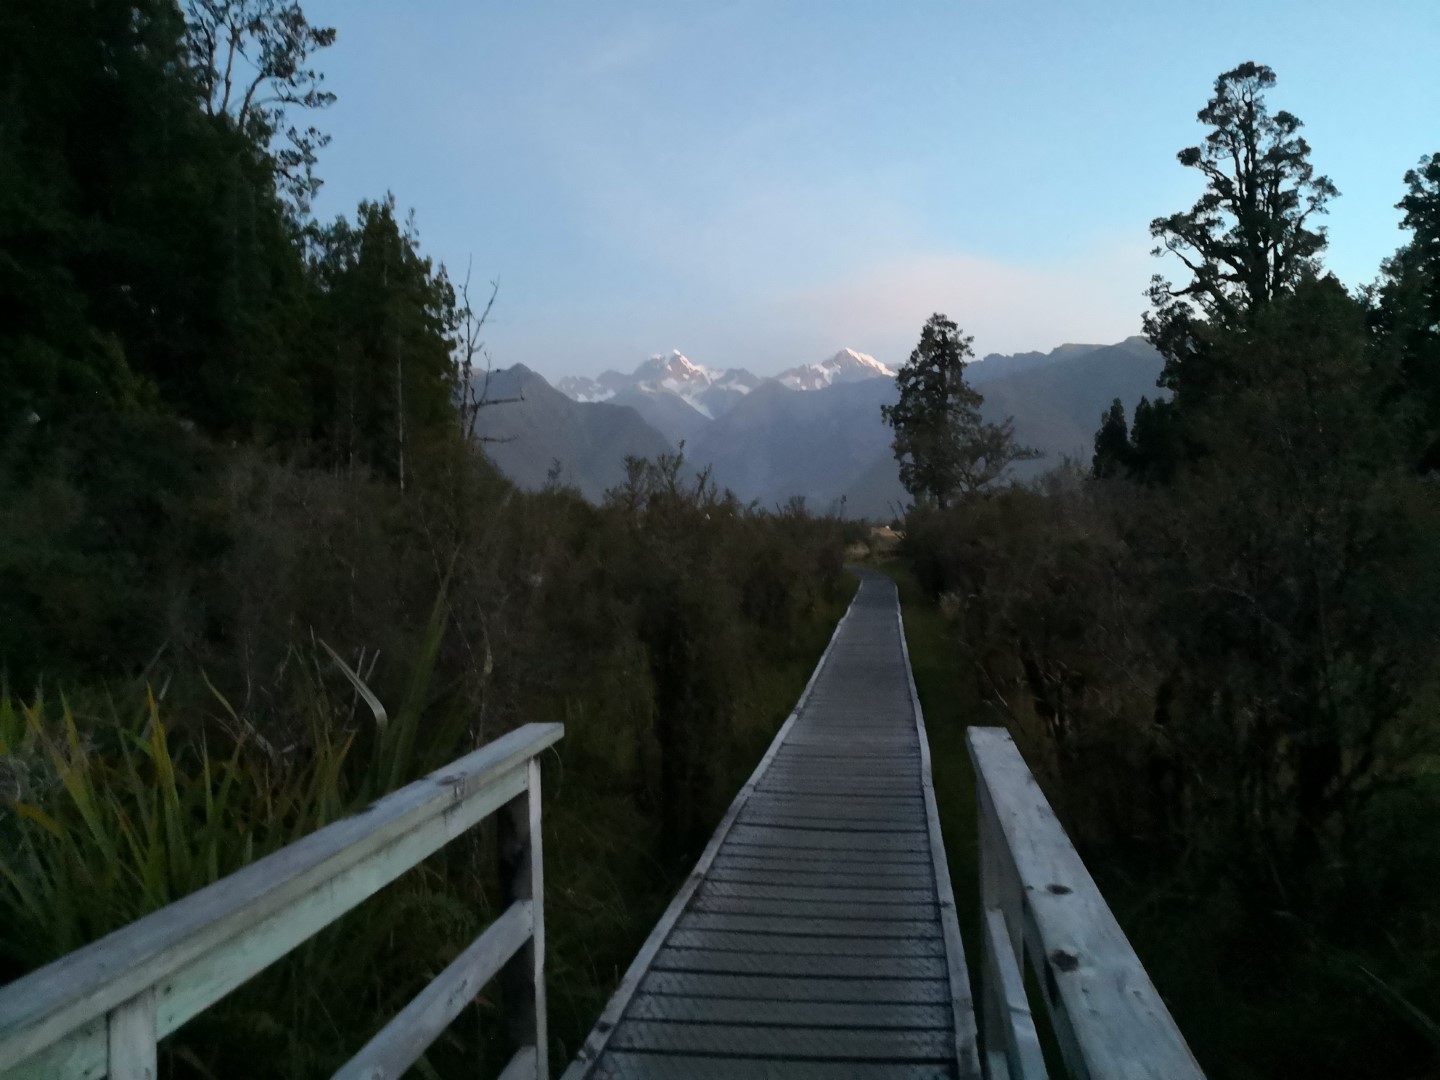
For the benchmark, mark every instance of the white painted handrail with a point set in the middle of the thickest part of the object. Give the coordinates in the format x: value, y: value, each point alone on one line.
x: 1040, y: 901
x: 100, y: 1010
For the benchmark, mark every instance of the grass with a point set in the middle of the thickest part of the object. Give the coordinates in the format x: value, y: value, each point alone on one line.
x: 119, y: 816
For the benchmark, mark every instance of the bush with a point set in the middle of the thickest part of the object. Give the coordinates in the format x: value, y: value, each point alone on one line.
x: 671, y: 629
x: 1153, y: 649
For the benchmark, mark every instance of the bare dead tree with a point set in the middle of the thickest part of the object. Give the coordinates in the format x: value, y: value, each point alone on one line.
x: 473, y: 398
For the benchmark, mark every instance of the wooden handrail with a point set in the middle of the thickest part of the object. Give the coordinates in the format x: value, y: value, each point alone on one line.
x: 100, y: 1010
x: 1040, y: 901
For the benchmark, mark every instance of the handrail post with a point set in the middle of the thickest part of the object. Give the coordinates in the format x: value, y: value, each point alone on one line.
x: 522, y: 979
x: 1012, y: 1050
x: 991, y: 1008
x: 131, y: 1035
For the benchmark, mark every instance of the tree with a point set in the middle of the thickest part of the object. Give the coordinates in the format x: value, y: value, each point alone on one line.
x: 384, y: 381
x: 1112, y: 444
x: 1405, y: 312
x: 1309, y: 565
x: 1249, y: 237
x: 249, y: 59
x: 943, y: 446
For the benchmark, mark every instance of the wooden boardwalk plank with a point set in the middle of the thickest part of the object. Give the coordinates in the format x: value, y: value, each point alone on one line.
x: 800, y: 855
x: 877, y: 824
x: 783, y: 988
x: 833, y: 805
x: 845, y: 877
x: 824, y: 840
x: 811, y: 924
x: 836, y: 807
x: 840, y: 894
x: 814, y: 938
x: 787, y: 1013
x: 820, y: 967
x: 790, y: 818
x: 628, y: 1065
x: 844, y: 909
x: 814, y: 1044
x: 833, y: 945
x: 840, y: 867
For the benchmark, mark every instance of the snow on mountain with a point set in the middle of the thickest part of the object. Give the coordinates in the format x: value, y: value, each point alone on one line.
x: 847, y: 365
x: 583, y: 389
x: 679, y: 375
x: 674, y: 372
x: 713, y: 391
x: 709, y: 391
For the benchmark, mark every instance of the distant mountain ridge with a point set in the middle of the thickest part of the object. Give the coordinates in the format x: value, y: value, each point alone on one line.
x: 814, y: 430
x: 997, y: 365
x: 712, y: 391
x: 708, y: 391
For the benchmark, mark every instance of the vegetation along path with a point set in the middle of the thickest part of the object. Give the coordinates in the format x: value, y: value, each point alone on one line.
x: 817, y: 935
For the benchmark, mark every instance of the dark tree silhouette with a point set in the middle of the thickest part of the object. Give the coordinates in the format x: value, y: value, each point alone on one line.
x: 943, y: 446
x: 1250, y: 236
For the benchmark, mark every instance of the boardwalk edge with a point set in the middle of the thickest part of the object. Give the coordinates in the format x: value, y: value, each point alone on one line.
x: 967, y: 1058
x: 599, y: 1036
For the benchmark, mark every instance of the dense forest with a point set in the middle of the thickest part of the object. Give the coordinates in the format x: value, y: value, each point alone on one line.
x: 1219, y: 642
x: 235, y: 487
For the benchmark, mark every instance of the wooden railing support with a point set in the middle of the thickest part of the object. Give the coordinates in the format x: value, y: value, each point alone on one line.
x: 522, y: 979
x: 1039, y: 902
x: 101, y: 1010
x: 131, y: 1032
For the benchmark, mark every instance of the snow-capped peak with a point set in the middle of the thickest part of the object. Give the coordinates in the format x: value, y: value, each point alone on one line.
x: 847, y: 365
x: 674, y: 370
x: 859, y: 361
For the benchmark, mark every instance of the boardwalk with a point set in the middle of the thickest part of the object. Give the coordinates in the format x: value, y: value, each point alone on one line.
x: 817, y: 937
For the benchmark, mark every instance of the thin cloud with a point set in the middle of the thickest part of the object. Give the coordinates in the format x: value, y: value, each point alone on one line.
x: 877, y: 307
x: 1008, y: 307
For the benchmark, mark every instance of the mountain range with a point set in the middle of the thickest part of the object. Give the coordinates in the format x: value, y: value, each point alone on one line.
x: 813, y: 430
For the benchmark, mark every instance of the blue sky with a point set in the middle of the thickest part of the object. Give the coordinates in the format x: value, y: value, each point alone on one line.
x: 762, y: 183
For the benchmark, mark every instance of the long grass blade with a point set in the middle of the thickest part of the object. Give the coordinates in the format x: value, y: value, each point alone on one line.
x: 382, y: 720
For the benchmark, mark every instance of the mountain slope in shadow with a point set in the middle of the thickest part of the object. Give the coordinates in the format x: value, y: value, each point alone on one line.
x: 589, y: 441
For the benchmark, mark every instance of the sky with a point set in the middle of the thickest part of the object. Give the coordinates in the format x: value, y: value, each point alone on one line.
x: 760, y: 183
